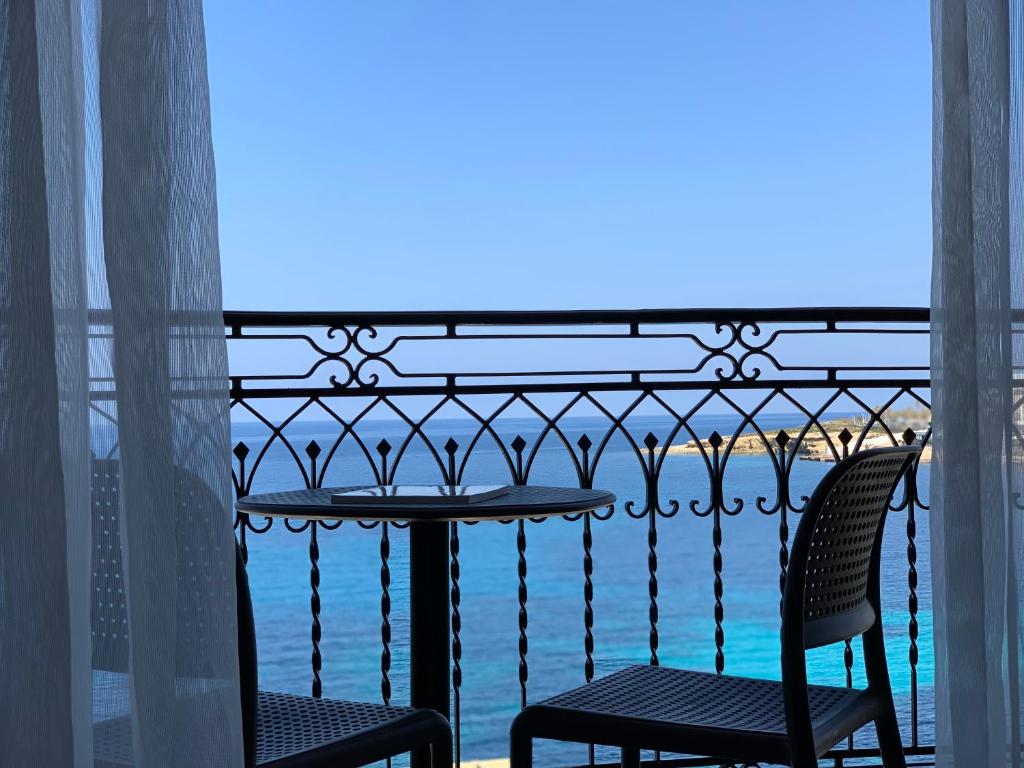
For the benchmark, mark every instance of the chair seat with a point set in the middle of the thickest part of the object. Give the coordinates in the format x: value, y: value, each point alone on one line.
x: 304, y: 731
x: 697, y: 713
x: 295, y: 731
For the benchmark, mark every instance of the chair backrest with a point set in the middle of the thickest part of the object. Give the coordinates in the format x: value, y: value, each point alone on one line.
x: 109, y: 610
x: 109, y: 605
x: 832, y: 583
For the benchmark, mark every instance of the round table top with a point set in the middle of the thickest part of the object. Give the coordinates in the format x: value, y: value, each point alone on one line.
x: 521, y: 501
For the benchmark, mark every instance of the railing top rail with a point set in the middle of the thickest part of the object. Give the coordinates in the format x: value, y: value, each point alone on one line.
x: 580, y: 317
x: 554, y: 351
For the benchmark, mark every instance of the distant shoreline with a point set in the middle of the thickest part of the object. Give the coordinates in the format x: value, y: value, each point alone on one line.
x: 813, y: 446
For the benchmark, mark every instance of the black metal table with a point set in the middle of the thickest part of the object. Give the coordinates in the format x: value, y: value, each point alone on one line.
x: 430, y: 642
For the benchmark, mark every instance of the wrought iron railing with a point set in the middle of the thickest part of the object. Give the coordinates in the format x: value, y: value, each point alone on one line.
x: 703, y: 415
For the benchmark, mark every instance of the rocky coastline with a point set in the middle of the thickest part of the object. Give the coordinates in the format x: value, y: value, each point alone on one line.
x: 813, y: 446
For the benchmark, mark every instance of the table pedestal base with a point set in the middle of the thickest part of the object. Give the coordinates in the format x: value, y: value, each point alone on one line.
x: 430, y: 652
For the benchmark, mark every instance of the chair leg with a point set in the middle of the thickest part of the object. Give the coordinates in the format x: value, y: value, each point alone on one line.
x: 424, y: 755
x: 630, y: 757
x: 802, y: 754
x: 441, y: 750
x: 889, y: 742
x: 520, y: 751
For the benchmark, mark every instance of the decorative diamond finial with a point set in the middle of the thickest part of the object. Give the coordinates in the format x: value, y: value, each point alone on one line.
x: 241, y: 450
x: 909, y: 436
x: 584, y: 443
x: 715, y: 440
x: 845, y: 436
x: 782, y: 438
x: 451, y: 446
x: 651, y: 441
x: 313, y: 449
x: 518, y: 444
x: 383, y: 447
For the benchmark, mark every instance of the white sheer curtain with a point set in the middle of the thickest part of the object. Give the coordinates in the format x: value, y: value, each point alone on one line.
x: 117, y: 605
x: 977, y: 298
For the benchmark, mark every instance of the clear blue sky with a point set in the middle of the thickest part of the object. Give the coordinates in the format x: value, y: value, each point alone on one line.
x: 534, y: 155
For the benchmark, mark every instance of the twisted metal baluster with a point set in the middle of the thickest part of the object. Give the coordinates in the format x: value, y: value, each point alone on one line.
x: 383, y: 449
x: 314, y: 607
x: 313, y: 451
x: 783, y: 556
x: 588, y: 611
x: 652, y: 583
x: 782, y: 439
x: 451, y: 476
x: 651, y: 477
x: 911, y: 491
x: 913, y: 627
x: 385, y: 614
x: 716, y: 539
x: 715, y: 440
x: 848, y: 662
x: 651, y: 444
x: 523, y: 618
x: 385, y: 618
x: 456, y: 597
x: 518, y: 445
x: 588, y: 599
x: 587, y: 481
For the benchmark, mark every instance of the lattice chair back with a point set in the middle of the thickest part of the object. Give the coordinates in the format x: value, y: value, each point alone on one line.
x: 110, y: 626
x: 109, y: 610
x: 832, y: 584
x: 197, y: 509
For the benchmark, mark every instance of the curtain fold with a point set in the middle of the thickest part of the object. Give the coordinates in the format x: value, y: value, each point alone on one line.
x: 117, y: 601
x: 977, y: 298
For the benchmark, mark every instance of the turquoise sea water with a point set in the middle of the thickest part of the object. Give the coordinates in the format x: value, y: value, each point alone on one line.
x: 350, y: 578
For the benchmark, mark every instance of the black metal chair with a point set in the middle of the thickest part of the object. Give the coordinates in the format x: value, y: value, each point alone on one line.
x: 286, y: 731
x: 831, y: 594
x: 280, y: 730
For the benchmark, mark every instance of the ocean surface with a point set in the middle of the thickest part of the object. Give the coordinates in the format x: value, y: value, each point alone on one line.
x: 490, y: 695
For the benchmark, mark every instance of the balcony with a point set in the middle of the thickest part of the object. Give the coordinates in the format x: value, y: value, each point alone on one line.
x: 711, y: 426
